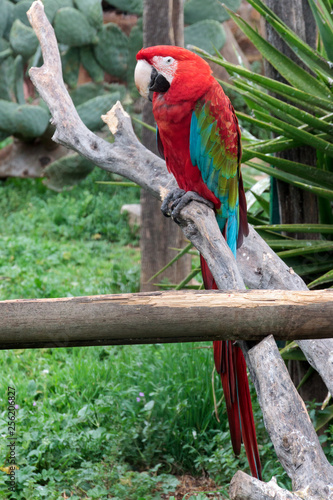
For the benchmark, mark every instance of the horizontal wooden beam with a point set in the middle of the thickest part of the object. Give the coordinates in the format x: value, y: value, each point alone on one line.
x: 162, y: 317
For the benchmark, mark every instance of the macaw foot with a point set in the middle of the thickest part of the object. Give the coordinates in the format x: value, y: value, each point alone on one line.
x: 177, y: 199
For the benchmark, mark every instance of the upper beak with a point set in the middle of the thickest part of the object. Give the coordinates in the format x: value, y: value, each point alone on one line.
x: 148, y: 80
x: 142, y: 75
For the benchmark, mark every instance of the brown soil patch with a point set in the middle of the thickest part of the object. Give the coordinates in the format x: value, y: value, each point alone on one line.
x: 194, y: 485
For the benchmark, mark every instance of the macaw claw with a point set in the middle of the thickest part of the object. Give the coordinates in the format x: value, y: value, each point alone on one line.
x: 177, y: 199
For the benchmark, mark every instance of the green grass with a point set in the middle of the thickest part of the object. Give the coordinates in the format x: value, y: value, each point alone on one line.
x: 72, y: 243
x: 101, y: 422
x: 82, y: 429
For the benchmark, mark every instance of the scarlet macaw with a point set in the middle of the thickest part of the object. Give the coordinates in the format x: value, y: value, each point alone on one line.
x: 199, y: 137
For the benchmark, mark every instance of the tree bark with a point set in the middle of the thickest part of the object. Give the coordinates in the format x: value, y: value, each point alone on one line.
x: 162, y: 25
x: 244, y: 487
x: 295, y: 440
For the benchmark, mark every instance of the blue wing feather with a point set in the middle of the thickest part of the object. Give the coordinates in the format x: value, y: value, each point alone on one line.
x: 216, y: 169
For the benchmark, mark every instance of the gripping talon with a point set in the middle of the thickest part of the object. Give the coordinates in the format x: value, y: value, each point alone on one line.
x: 171, y: 197
x: 177, y: 199
x: 189, y: 196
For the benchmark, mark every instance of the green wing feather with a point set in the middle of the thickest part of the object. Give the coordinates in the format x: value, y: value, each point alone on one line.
x: 214, y: 151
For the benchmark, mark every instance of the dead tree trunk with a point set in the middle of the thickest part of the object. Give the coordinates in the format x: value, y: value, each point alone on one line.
x: 296, y: 205
x: 294, y: 439
x: 162, y: 25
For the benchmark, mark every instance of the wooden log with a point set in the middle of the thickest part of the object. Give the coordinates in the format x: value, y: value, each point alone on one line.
x: 148, y: 318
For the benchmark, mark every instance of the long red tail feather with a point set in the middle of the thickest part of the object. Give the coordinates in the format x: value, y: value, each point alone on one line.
x: 230, y: 364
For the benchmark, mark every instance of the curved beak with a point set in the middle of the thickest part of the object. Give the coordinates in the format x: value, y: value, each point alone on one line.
x: 148, y: 80
x: 142, y: 75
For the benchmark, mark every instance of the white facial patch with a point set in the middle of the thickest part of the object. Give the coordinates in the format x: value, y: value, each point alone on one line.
x: 142, y: 75
x: 167, y: 66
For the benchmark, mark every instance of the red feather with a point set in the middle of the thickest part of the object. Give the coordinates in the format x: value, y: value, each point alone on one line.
x: 230, y: 364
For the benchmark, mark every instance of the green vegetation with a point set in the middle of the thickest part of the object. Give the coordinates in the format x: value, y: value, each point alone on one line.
x: 81, y: 428
x: 299, y: 114
x: 116, y: 420
x: 72, y: 243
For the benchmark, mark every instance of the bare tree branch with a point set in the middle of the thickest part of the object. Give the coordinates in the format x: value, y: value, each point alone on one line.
x: 288, y: 424
x: 258, y: 265
x: 244, y: 487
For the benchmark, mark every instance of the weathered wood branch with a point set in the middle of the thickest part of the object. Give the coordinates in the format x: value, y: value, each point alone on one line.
x: 288, y: 424
x: 145, y: 318
x: 244, y: 487
x: 257, y: 263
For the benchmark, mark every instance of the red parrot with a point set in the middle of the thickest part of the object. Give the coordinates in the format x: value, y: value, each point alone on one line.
x: 199, y: 137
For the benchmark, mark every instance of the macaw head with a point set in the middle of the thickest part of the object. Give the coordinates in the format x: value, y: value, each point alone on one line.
x: 173, y: 70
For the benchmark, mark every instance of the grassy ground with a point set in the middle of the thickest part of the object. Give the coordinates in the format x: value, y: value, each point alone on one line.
x: 101, y: 422
x: 72, y: 243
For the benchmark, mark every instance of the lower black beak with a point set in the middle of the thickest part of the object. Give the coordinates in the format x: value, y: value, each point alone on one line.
x: 158, y: 83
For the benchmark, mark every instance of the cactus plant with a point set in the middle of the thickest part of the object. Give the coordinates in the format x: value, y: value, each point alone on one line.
x: 83, y: 40
x: 111, y: 51
x: 20, y: 11
x: 130, y: 6
x: 70, y: 60
x: 198, y: 10
x: 52, y: 6
x: 135, y: 43
x: 206, y: 34
x: 22, y: 39
x: 24, y: 121
x: 67, y: 171
x: 92, y: 9
x: 72, y: 28
x: 90, y: 111
x: 90, y: 64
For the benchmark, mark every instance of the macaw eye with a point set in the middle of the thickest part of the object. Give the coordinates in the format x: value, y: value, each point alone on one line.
x: 168, y: 60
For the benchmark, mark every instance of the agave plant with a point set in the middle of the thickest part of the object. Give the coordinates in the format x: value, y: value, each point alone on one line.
x: 299, y: 113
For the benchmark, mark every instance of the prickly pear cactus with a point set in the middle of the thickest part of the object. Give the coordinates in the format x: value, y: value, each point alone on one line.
x: 130, y: 6
x: 207, y: 35
x: 80, y: 32
x: 84, y: 41
x: 111, y: 51
x: 198, y: 10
